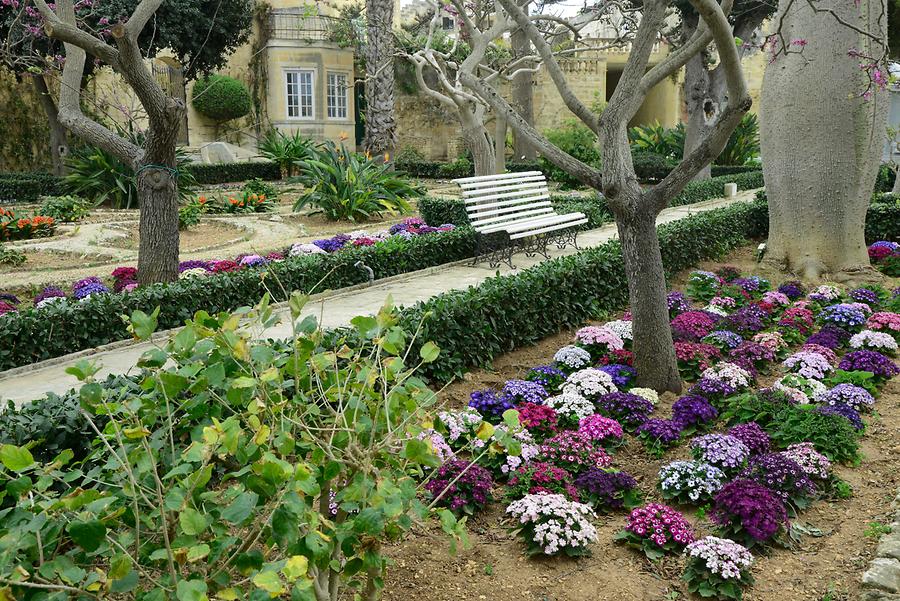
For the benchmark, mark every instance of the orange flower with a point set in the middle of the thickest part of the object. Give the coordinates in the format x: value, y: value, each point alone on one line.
x: 343, y: 136
x: 202, y: 200
x: 387, y: 157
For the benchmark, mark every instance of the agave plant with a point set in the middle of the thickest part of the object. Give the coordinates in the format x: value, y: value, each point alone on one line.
x: 286, y: 150
x: 743, y: 144
x: 100, y: 177
x: 346, y: 185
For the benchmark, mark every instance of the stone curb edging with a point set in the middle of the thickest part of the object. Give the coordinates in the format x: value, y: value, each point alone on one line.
x: 881, y: 582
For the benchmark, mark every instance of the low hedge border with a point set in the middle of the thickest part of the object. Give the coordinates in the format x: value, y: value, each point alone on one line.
x: 224, y: 173
x: 27, y: 187
x: 38, y: 334
x: 438, y: 211
x: 475, y: 325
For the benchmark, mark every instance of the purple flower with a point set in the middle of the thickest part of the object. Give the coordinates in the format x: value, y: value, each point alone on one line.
x: 329, y: 245
x: 470, y: 492
x: 193, y: 264
x: 693, y: 325
x: 746, y: 320
x: 622, y: 375
x: 746, y: 508
x: 829, y: 336
x: 721, y: 450
x: 793, y: 290
x: 604, y: 488
x: 523, y: 391
x: 660, y: 432
x: 711, y: 389
x: 723, y: 339
x: 870, y: 361
x: 752, y: 435
x: 855, y: 397
x: 628, y: 409
x: 864, y: 295
x: 49, y: 292
x: 489, y: 404
x: 547, y: 376
x: 89, y: 281
x: 781, y: 475
x: 253, y: 261
x: 845, y: 411
x: 87, y: 287
x: 693, y: 411
x: 677, y: 303
x: 843, y: 315
x: 12, y: 299
x: 752, y: 356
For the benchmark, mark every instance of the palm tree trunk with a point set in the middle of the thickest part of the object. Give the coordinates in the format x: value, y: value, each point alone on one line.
x: 381, y: 125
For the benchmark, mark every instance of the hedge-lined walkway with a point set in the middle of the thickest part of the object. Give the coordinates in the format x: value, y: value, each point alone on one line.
x: 335, y: 309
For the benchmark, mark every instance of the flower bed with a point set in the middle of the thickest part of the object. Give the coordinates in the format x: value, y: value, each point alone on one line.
x: 15, y: 227
x: 752, y: 477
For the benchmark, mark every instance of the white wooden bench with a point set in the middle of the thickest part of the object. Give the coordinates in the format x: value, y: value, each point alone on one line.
x: 512, y: 212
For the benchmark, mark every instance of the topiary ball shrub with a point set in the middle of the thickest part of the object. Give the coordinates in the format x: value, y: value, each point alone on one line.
x: 221, y: 98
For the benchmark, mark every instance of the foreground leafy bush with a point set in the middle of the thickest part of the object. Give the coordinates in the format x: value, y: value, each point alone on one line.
x: 831, y: 435
x: 213, y: 480
x: 576, y: 140
x: 345, y: 185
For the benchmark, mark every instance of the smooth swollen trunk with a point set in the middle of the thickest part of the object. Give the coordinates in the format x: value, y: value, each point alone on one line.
x: 523, y: 97
x: 479, y: 144
x: 702, y: 100
x: 654, y: 350
x: 381, y: 126
x: 822, y: 130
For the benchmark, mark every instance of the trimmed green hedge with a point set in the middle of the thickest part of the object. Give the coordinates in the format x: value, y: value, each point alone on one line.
x: 223, y: 173
x: 443, y: 169
x: 475, y: 325
x: 27, y: 187
x: 36, y: 334
x: 437, y: 211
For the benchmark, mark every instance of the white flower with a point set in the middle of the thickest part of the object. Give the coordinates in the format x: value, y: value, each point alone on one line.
x: 573, y: 357
x: 193, y: 273
x: 590, y: 383
x: 571, y: 404
x: 52, y: 300
x: 872, y: 340
x: 735, y: 376
x: 625, y: 329
x: 557, y: 522
x: 305, y: 249
x: 646, y: 393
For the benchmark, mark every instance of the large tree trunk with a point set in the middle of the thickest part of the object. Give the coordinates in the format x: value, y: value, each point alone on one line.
x: 704, y: 93
x: 157, y: 186
x: 821, y: 139
x: 479, y: 144
x: 654, y: 351
x: 59, y: 144
x: 523, y: 97
x: 500, y: 128
x: 381, y: 136
x: 895, y: 189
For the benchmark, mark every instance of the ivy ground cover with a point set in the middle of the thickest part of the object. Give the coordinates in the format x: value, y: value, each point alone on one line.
x: 765, y: 467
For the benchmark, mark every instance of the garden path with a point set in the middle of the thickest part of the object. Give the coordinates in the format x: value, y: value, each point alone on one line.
x: 332, y: 308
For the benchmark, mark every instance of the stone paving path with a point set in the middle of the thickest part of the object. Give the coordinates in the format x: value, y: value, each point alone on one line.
x: 333, y: 309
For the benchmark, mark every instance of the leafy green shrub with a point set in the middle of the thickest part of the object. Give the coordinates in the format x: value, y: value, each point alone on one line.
x: 189, y: 214
x: 100, y: 177
x: 346, y: 185
x: 286, y: 150
x: 223, y: 173
x: 651, y: 167
x: 743, y: 143
x: 409, y: 154
x: 715, y: 188
x: 461, y: 167
x: 221, y: 98
x: 67, y: 209
x: 438, y: 211
x: 884, y: 182
x: 656, y: 139
x: 38, y: 334
x: 27, y: 187
x: 10, y: 255
x: 261, y: 188
x: 720, y: 170
x: 233, y: 497
x: 832, y: 435
x: 577, y: 140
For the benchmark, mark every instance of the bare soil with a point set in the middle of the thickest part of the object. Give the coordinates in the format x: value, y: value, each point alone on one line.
x: 822, y: 567
x: 206, y: 234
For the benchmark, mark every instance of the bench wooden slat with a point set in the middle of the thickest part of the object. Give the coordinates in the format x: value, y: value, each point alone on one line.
x: 495, y: 178
x: 547, y: 229
x: 536, y: 189
x: 480, y: 223
x: 510, y: 212
x: 531, y: 223
x: 508, y: 202
x: 504, y: 185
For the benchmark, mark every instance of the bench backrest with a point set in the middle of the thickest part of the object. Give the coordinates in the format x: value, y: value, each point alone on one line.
x: 493, y: 200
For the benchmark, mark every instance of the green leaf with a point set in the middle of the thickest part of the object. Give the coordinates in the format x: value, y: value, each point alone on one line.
x: 16, y: 458
x: 241, y: 508
x: 191, y: 590
x: 269, y: 581
x: 429, y: 352
x: 87, y: 535
x: 192, y: 522
x: 142, y: 325
x: 197, y: 552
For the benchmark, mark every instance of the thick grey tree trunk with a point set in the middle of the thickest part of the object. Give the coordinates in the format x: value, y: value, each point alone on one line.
x: 500, y: 128
x: 479, y: 144
x: 895, y: 189
x: 654, y: 351
x: 703, y: 95
x: 59, y: 143
x: 157, y: 187
x: 821, y: 139
x: 381, y: 125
